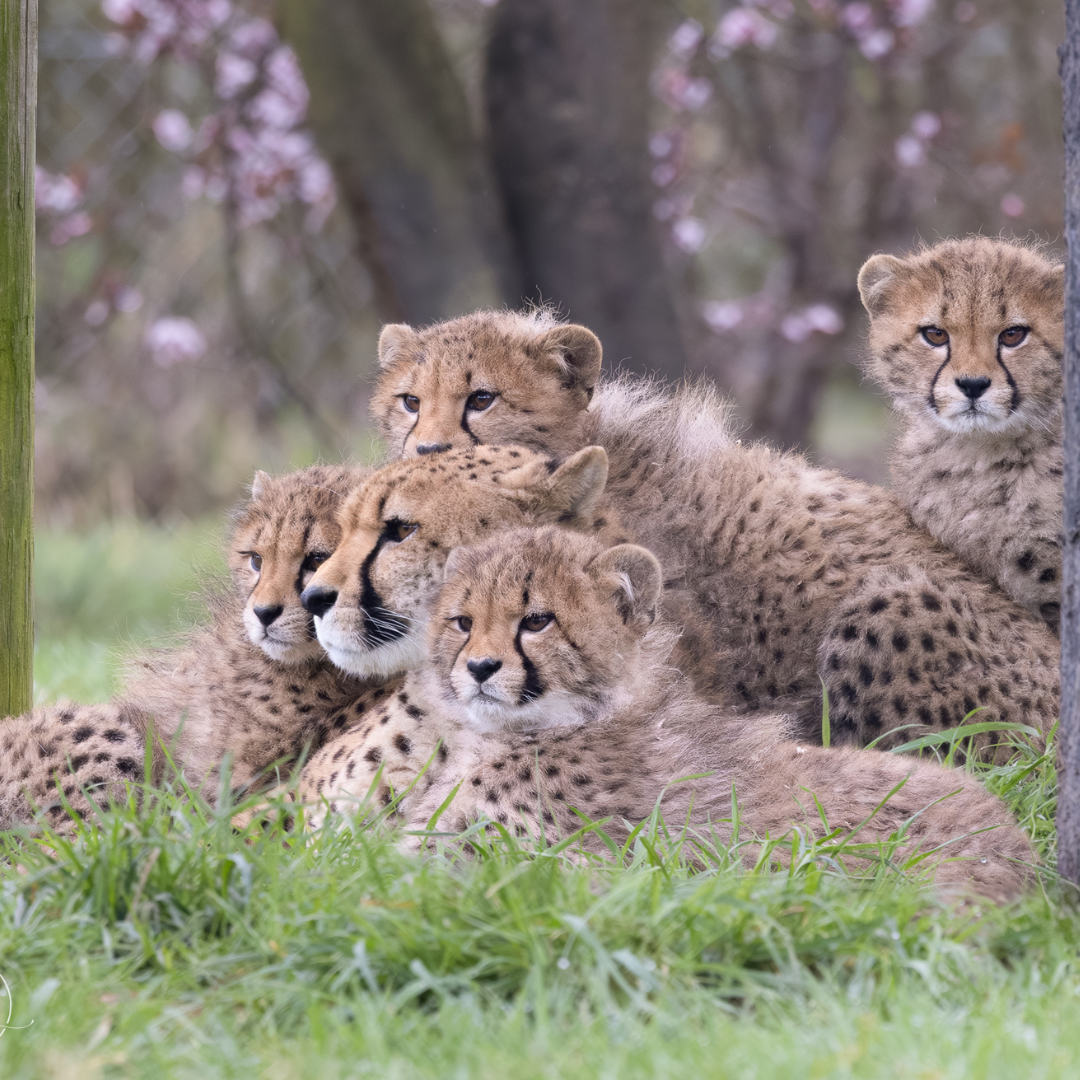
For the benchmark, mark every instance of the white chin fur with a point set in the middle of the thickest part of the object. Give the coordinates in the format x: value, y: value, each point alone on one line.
x: 403, y: 654
x: 958, y: 419
x: 290, y: 654
x: 551, y: 710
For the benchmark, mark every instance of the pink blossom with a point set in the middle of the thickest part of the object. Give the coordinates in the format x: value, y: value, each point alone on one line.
x: 1012, y: 205
x: 925, y: 125
x: 315, y: 181
x: 858, y: 17
x: 173, y: 339
x: 910, y: 12
x: 96, y: 313
x: 55, y: 194
x: 661, y: 143
x: 121, y: 12
x: 689, y: 234
x: 877, y: 44
x: 67, y: 228
x: 795, y: 328
x: 686, y: 38
x: 253, y: 37
x: 744, y: 26
x: 233, y: 73
x: 173, y: 130
x: 722, y: 316
x: 910, y: 151
x: 128, y: 299
x: 193, y: 182
x: 824, y: 318
x: 664, y: 173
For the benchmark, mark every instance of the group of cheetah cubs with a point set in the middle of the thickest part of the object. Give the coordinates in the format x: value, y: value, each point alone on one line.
x: 568, y: 595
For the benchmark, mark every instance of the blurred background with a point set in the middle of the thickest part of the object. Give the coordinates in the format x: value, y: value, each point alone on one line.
x: 233, y: 195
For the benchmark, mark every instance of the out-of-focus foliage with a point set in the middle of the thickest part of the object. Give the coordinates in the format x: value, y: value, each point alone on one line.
x: 205, y: 306
x: 200, y: 311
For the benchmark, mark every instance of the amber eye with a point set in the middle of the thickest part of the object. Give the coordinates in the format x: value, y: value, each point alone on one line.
x: 464, y: 623
x: 411, y: 402
x: 480, y: 400
x: 934, y: 335
x: 399, y: 530
x: 314, y: 560
x: 256, y: 562
x: 1013, y: 336
x: 535, y: 623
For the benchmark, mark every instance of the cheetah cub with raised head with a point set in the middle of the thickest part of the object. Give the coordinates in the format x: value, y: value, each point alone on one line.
x: 252, y: 685
x: 967, y: 338
x: 549, y: 694
x: 803, y: 574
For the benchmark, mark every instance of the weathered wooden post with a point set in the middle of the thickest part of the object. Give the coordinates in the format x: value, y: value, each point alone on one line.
x: 1069, y: 787
x: 18, y: 103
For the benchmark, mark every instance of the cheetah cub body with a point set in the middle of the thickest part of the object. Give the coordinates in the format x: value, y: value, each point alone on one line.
x: 802, y: 574
x: 249, y: 685
x: 549, y: 694
x: 967, y: 338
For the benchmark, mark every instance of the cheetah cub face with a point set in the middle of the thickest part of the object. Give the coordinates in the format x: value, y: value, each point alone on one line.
x: 493, y: 377
x: 968, y: 334
x: 287, y: 530
x: 371, y: 598
x: 540, y: 628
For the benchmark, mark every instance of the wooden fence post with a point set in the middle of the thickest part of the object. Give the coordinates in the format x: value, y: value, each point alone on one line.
x: 1069, y: 786
x: 18, y: 102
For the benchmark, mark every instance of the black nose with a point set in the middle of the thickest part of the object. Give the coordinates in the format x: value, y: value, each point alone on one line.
x: 318, y: 599
x: 433, y: 447
x: 482, y: 670
x: 267, y: 613
x: 974, y: 387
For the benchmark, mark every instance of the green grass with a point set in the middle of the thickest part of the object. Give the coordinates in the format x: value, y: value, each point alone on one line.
x: 167, y: 944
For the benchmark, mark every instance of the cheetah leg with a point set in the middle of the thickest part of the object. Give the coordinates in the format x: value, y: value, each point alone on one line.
x: 910, y: 648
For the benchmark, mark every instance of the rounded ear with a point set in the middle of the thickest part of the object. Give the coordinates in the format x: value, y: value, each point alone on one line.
x: 455, y: 561
x: 876, y: 278
x: 577, y: 352
x: 396, y: 342
x: 634, y: 576
x: 575, y: 487
x: 259, y: 484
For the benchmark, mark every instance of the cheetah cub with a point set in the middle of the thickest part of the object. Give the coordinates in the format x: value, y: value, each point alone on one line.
x: 805, y: 576
x: 252, y: 685
x: 967, y: 337
x: 549, y: 695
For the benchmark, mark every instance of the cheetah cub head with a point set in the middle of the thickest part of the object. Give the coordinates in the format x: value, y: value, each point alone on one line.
x: 491, y: 377
x: 371, y: 598
x: 538, y: 628
x: 279, y: 539
x: 968, y: 334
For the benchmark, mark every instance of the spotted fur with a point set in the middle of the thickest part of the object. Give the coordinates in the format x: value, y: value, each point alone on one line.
x: 791, y: 566
x: 967, y: 338
x: 613, y: 726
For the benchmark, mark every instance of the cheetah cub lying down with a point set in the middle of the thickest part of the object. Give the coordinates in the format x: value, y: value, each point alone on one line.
x: 967, y: 338
x: 548, y: 694
x: 253, y: 685
x: 803, y: 574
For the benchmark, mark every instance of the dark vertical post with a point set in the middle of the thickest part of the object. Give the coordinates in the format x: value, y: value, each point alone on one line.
x: 1069, y: 788
x: 18, y: 102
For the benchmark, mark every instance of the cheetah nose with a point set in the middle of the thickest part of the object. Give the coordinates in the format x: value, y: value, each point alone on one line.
x: 482, y: 670
x: 318, y: 599
x: 434, y: 447
x: 973, y: 386
x: 267, y: 613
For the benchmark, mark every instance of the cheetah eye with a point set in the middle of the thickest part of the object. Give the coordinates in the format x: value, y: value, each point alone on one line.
x: 411, y: 402
x: 463, y: 623
x: 1013, y: 336
x: 314, y: 560
x: 480, y: 400
x: 934, y: 335
x: 399, y: 530
x: 535, y: 623
x: 256, y: 562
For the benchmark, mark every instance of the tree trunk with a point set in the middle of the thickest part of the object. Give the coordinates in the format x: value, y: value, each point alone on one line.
x: 568, y: 102
x: 1069, y: 787
x: 392, y: 120
x: 18, y: 72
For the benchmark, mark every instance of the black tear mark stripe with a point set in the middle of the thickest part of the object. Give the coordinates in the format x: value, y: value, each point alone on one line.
x: 465, y: 423
x: 533, y: 686
x: 303, y: 559
x: 1014, y: 401
x: 937, y: 374
x: 381, y: 626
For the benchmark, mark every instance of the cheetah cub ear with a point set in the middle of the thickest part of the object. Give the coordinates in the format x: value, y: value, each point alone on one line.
x: 876, y: 278
x: 455, y: 561
x: 635, y: 580
x: 259, y: 484
x: 397, y: 341
x: 577, y: 352
x: 571, y: 490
